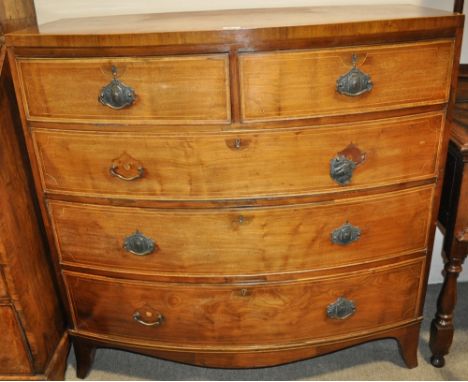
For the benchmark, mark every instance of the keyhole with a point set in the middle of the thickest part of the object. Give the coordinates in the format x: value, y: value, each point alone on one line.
x: 237, y: 143
x: 244, y: 292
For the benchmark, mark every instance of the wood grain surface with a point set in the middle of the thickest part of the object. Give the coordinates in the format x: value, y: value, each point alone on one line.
x: 178, y: 89
x: 14, y: 358
x: 22, y: 250
x: 301, y: 84
x: 16, y: 14
x: 319, y: 24
x: 405, y: 333
x: 266, y: 164
x: 236, y: 19
x: 241, y: 314
x: 241, y: 266
x: 243, y: 241
x: 3, y: 289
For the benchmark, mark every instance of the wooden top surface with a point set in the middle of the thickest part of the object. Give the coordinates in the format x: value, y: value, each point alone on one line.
x: 191, y: 27
x: 234, y: 19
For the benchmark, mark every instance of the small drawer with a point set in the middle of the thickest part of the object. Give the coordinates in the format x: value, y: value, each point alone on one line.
x: 239, y: 165
x: 246, y: 314
x: 13, y: 354
x: 311, y: 83
x: 174, y: 89
x: 242, y: 241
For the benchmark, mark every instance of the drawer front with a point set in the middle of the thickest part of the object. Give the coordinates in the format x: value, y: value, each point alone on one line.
x: 188, y: 89
x: 224, y: 315
x: 301, y: 84
x: 13, y: 355
x: 230, y: 165
x: 242, y: 241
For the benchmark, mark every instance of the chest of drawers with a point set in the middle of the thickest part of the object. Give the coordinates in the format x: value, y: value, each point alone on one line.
x: 240, y: 188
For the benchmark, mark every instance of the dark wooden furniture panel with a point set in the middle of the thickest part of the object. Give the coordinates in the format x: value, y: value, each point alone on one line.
x: 14, y: 356
x: 454, y: 220
x: 3, y: 288
x: 33, y: 341
x: 453, y: 217
x: 29, y: 279
x: 15, y: 15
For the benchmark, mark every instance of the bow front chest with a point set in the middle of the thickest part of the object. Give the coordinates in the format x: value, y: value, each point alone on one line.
x: 240, y: 188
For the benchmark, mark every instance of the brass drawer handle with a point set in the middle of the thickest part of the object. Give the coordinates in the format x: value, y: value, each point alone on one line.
x: 355, y: 82
x: 116, y: 94
x: 343, y: 165
x: 126, y: 168
x: 341, y: 169
x: 157, y: 322
x: 341, y: 309
x: 139, y: 244
x: 237, y: 144
x: 345, y: 234
x: 114, y: 171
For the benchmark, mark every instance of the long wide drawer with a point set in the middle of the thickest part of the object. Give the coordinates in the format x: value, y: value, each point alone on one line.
x: 244, y: 314
x: 178, y: 89
x: 242, y: 241
x: 239, y: 165
x: 300, y: 84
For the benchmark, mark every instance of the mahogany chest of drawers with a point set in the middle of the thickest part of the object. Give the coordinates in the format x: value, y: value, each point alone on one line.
x: 240, y: 188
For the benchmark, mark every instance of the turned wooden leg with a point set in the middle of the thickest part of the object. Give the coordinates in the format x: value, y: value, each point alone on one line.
x: 408, y: 343
x: 84, y: 354
x: 442, y: 325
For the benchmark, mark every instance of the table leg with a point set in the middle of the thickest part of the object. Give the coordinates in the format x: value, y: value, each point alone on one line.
x: 442, y: 326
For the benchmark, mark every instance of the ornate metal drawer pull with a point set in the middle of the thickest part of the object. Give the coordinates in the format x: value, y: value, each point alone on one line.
x: 341, y: 309
x: 345, y: 234
x: 140, y: 245
x: 343, y: 165
x: 114, y: 172
x: 355, y: 82
x: 126, y: 168
x: 341, y: 169
x: 116, y: 94
x: 237, y: 143
x: 157, y: 322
